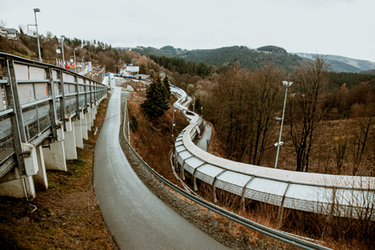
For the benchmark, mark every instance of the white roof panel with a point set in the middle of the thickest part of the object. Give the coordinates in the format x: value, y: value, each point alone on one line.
x: 194, y: 162
x: 234, y: 178
x: 267, y: 186
x: 185, y: 154
x: 180, y: 149
x: 309, y: 193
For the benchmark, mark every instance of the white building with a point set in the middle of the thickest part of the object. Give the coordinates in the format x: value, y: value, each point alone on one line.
x: 10, y: 33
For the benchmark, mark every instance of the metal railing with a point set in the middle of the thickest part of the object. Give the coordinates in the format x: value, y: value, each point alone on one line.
x: 278, y: 235
x: 35, y: 99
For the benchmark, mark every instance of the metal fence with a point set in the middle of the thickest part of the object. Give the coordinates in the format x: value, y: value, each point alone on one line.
x: 33, y: 98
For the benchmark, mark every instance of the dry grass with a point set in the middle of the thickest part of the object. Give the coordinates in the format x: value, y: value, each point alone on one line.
x: 154, y: 141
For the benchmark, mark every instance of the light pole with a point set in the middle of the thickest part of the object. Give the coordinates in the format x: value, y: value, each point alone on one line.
x: 62, y: 47
x: 75, y: 63
x: 287, y: 85
x: 37, y: 33
x: 173, y: 125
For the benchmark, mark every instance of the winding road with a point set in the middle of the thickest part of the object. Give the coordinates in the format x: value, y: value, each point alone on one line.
x: 136, y: 218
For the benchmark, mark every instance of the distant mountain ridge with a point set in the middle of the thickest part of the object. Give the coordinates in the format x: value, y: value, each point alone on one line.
x: 343, y: 64
x: 248, y: 58
x: 256, y: 58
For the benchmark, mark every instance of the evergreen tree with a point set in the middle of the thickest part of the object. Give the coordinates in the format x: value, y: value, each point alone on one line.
x: 167, y: 87
x: 156, y: 104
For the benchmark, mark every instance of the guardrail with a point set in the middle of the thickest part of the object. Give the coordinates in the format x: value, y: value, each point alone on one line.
x: 344, y: 196
x: 278, y: 235
x: 35, y: 100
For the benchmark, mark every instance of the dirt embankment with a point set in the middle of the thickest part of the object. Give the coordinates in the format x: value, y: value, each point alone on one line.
x: 66, y: 215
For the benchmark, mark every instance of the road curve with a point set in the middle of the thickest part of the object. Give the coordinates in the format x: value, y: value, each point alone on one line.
x: 136, y: 218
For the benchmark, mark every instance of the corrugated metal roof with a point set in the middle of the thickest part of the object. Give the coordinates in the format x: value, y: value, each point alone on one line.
x: 194, y: 162
x: 267, y: 186
x: 207, y: 173
x: 232, y: 182
x: 309, y: 193
x: 234, y: 178
x: 185, y: 154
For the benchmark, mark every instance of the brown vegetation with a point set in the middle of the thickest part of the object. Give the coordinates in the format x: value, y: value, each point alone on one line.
x: 153, y: 140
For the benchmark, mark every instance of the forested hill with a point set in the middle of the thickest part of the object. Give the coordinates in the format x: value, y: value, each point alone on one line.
x: 343, y: 64
x: 227, y: 56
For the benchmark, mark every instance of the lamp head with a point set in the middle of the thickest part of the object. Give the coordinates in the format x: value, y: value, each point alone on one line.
x: 36, y: 10
x: 287, y: 84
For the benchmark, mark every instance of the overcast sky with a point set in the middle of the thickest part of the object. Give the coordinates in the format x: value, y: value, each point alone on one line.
x: 336, y: 27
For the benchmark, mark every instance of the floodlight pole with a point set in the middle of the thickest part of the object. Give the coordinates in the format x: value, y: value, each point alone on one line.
x: 62, y: 47
x: 75, y: 63
x: 37, y: 33
x: 287, y: 84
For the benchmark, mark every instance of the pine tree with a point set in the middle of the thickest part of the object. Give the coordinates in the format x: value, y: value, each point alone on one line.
x: 156, y: 103
x: 167, y: 86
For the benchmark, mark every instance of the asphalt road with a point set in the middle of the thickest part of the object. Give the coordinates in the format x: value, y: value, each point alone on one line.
x: 134, y: 215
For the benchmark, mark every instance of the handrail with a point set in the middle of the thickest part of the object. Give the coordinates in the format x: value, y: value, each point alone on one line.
x: 36, y: 96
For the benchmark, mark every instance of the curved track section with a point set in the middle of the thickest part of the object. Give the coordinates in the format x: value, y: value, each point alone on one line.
x: 344, y: 196
x: 134, y: 215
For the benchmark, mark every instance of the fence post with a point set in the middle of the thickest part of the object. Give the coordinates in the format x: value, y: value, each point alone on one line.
x: 52, y: 104
x: 62, y: 100
x: 13, y: 101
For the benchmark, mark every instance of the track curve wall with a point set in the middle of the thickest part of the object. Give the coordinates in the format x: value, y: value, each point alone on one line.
x: 344, y: 196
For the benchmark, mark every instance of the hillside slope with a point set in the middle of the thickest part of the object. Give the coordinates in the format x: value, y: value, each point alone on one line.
x: 343, y: 64
x: 227, y: 56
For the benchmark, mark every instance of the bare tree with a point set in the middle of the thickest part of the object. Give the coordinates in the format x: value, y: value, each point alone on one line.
x: 265, y: 98
x: 305, y: 111
x: 340, y: 147
x: 359, y: 143
x: 242, y: 107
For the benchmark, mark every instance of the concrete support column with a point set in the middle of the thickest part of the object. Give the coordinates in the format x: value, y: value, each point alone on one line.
x: 195, y: 187
x: 93, y: 113
x: 182, y: 171
x: 84, y: 125
x: 14, y: 185
x: 70, y: 145
x: 40, y: 179
x: 54, y: 156
x: 91, y: 116
x: 88, y: 118
x: 70, y: 140
x: 78, y: 133
x: 95, y: 109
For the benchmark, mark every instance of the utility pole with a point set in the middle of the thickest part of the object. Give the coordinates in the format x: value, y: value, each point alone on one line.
x: 62, y: 47
x: 287, y: 84
x: 37, y: 33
